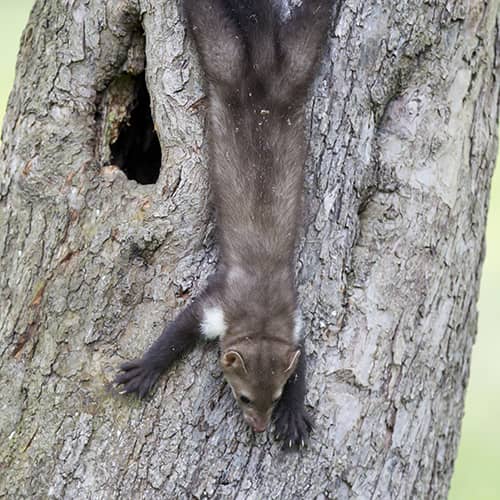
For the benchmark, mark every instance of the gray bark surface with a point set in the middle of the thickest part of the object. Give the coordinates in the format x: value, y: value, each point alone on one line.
x: 402, y: 144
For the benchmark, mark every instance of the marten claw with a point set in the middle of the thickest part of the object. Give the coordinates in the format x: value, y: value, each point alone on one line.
x: 136, y: 377
x: 292, y: 427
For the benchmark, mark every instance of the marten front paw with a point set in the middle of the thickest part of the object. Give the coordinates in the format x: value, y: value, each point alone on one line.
x: 137, y: 376
x: 292, y: 426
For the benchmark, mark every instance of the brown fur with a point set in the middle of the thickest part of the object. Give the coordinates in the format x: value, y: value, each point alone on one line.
x: 258, y: 71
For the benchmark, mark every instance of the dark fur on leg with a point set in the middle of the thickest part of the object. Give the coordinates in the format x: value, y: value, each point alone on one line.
x: 140, y: 375
x: 283, y: 54
x: 258, y: 23
x: 302, y: 39
x: 292, y: 424
x: 218, y: 40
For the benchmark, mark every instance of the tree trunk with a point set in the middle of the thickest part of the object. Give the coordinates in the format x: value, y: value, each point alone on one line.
x: 99, y: 248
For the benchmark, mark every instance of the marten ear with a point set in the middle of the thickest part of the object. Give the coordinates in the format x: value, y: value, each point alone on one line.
x: 293, y: 362
x: 233, y: 359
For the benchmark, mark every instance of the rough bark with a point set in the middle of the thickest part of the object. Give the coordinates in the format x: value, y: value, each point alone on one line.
x: 402, y: 145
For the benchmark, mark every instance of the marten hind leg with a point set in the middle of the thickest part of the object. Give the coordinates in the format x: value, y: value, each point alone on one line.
x: 218, y: 40
x: 257, y: 21
x: 302, y: 39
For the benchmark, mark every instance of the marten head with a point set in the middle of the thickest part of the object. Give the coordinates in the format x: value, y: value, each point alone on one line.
x: 257, y: 373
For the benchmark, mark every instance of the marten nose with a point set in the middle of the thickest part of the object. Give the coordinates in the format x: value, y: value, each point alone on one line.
x: 260, y: 427
x: 257, y: 424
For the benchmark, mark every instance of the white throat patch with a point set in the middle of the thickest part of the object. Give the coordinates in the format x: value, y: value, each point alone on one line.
x: 298, y: 327
x: 213, y: 324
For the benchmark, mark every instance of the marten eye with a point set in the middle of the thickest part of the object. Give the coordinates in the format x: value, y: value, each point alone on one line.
x: 244, y: 400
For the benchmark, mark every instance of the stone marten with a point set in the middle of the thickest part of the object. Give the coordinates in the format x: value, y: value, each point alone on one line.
x: 258, y: 66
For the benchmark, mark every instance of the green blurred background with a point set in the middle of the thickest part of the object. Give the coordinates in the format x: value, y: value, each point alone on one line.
x: 477, y: 470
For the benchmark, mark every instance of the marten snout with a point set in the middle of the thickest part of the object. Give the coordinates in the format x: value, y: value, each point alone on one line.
x: 257, y: 423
